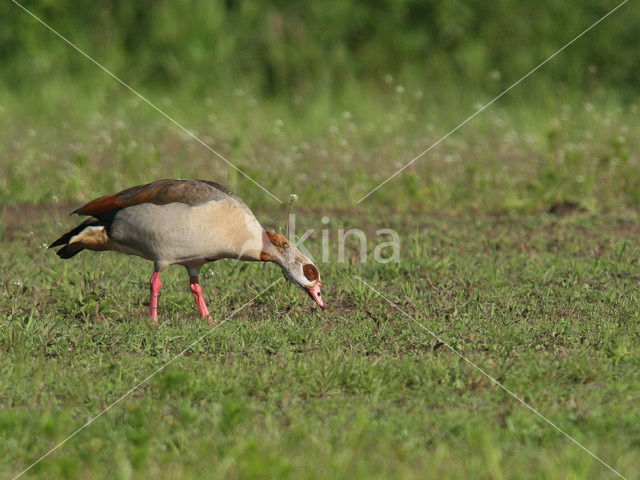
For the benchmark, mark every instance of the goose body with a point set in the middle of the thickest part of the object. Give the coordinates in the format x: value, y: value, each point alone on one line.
x: 178, y: 233
x: 185, y: 222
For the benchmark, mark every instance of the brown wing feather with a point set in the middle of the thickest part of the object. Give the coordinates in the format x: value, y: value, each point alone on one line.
x: 99, y: 205
x: 161, y: 192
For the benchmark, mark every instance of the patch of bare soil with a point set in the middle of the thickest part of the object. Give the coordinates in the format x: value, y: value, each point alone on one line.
x: 563, y: 209
x: 19, y: 221
x: 15, y: 220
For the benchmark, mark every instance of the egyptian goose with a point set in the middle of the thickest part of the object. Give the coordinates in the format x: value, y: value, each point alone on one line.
x: 185, y: 222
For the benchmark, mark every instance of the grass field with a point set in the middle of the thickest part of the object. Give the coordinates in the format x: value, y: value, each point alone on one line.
x: 518, y: 249
x: 548, y: 305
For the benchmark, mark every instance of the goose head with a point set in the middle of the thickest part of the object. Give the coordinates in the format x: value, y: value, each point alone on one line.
x: 297, y: 267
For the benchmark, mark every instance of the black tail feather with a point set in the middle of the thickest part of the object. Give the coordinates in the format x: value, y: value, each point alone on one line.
x: 69, y: 251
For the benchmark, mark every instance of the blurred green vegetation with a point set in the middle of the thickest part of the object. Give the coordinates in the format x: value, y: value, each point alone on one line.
x: 295, y: 92
x: 295, y: 49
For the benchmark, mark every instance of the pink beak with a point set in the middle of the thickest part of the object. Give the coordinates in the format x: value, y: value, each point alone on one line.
x: 314, y: 292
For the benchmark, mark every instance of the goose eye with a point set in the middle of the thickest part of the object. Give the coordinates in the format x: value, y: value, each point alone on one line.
x: 310, y: 272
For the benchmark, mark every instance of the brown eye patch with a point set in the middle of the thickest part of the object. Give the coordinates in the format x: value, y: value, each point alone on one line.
x: 310, y: 272
x: 277, y: 240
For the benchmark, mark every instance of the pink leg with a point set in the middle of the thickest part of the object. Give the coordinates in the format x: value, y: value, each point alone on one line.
x: 197, y: 294
x: 153, y: 297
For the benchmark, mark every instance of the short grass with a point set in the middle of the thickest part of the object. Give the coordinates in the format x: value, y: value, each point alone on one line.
x: 518, y: 232
x: 546, y: 304
x: 519, y: 249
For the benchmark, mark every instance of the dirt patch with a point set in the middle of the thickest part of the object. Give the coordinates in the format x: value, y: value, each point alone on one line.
x: 27, y: 217
x: 563, y: 209
x: 20, y: 221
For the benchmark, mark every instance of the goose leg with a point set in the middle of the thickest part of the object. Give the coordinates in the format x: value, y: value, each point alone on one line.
x: 153, y: 296
x: 196, y: 289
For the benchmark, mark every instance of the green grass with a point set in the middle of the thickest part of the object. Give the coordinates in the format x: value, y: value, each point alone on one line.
x: 519, y: 242
x: 521, y: 156
x: 547, y: 305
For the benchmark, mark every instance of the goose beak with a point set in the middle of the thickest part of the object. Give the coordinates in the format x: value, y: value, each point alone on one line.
x: 314, y: 292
